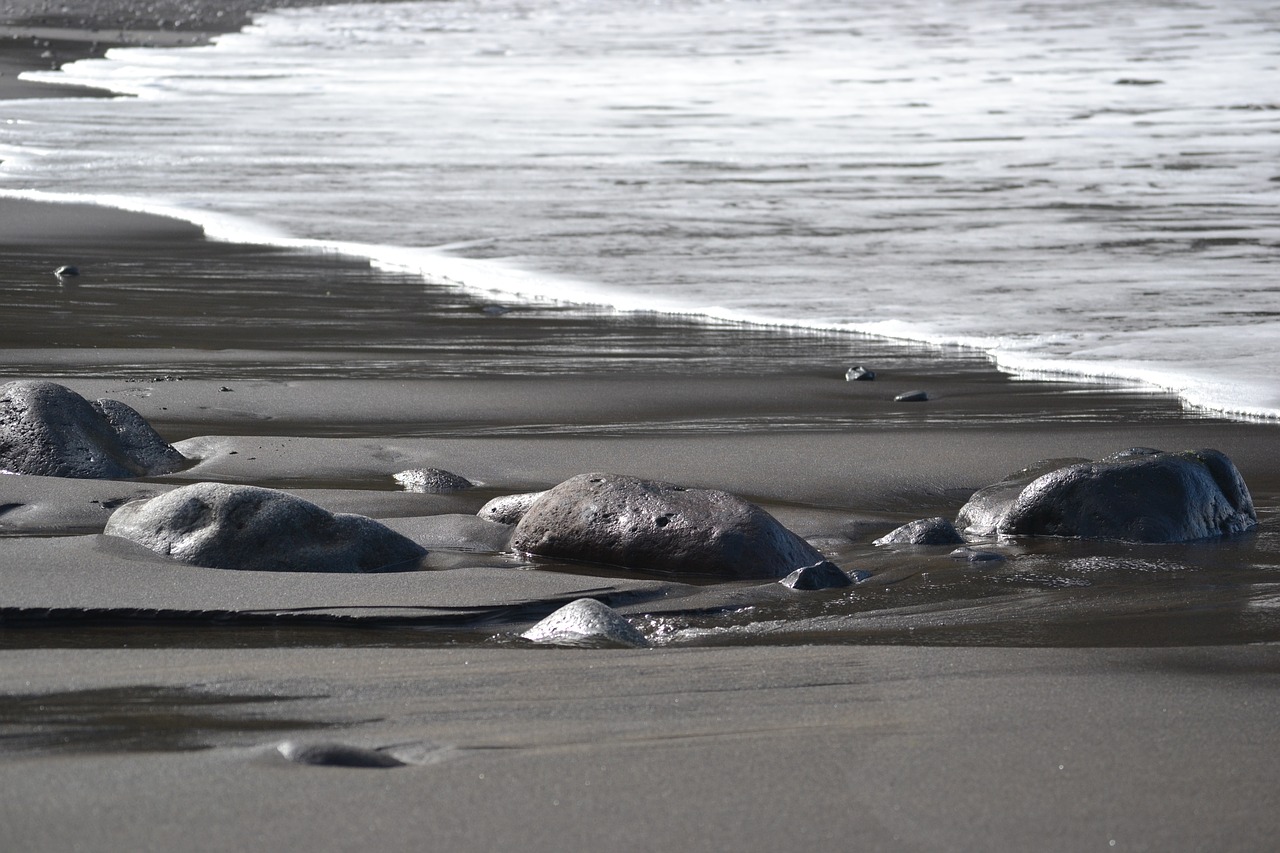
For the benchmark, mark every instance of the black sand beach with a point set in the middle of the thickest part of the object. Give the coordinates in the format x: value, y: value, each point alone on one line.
x: 1081, y: 695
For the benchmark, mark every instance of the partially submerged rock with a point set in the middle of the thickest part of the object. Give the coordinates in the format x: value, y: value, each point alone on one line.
x: 49, y: 430
x: 912, y: 397
x: 509, y: 509
x: 923, y: 531
x: 586, y: 622
x: 643, y: 524
x: 823, y: 575
x: 225, y: 526
x: 1138, y: 495
x: 433, y: 481
x: 336, y: 755
x: 859, y: 373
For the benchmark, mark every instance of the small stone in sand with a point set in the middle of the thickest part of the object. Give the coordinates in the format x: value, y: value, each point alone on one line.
x: 432, y: 481
x: 66, y: 271
x: 586, y: 622
x: 923, y: 531
x: 336, y: 755
x: 911, y: 397
x: 824, y: 575
x: 859, y: 374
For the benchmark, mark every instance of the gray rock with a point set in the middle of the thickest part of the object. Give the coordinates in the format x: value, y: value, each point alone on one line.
x: 433, y: 481
x: 859, y: 374
x: 225, y: 526
x: 509, y: 509
x: 824, y: 575
x: 972, y: 555
x: 923, y: 531
x: 66, y: 271
x: 49, y: 430
x: 586, y: 622
x: 642, y: 524
x: 1137, y: 495
x: 911, y: 397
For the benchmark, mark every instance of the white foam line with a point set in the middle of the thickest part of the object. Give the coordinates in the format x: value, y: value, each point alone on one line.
x: 1209, y: 392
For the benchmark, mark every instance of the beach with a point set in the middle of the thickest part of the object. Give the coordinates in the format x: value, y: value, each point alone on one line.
x: 1080, y: 695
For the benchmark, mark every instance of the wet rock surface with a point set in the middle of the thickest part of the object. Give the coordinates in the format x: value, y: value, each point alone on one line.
x: 586, y: 622
x: 224, y: 526
x: 49, y: 430
x: 661, y: 527
x: 1138, y: 495
x: 923, y: 531
x: 824, y: 575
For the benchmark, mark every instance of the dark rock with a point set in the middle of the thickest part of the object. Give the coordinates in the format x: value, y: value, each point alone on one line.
x: 49, y: 430
x: 911, y: 397
x: 509, y: 509
x: 225, y: 526
x: 859, y: 374
x: 434, y: 481
x: 1137, y: 495
x: 923, y: 531
x: 586, y: 622
x: 824, y: 575
x: 336, y: 755
x: 642, y: 524
x: 66, y: 271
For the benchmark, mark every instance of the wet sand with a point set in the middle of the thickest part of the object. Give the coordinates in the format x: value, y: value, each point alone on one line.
x: 143, y: 701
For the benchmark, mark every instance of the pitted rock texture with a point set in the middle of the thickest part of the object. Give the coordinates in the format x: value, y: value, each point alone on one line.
x: 586, y: 622
x: 433, y: 481
x: 225, y: 526
x: 659, y: 527
x: 1138, y: 495
x: 923, y: 531
x: 49, y: 430
x: 509, y: 509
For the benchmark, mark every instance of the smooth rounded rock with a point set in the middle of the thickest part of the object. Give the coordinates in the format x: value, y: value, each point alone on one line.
x: 923, y: 531
x: 660, y: 527
x: 49, y: 430
x: 66, y: 271
x: 824, y: 575
x: 912, y: 397
x: 586, y: 622
x: 509, y: 509
x: 1138, y: 495
x: 434, y: 481
x: 224, y: 526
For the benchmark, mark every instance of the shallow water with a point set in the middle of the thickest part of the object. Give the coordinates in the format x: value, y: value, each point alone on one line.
x: 1079, y: 186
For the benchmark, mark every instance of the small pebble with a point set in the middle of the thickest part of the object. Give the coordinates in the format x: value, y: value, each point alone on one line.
x: 859, y: 374
x: 66, y: 271
x: 973, y: 556
x: 912, y: 397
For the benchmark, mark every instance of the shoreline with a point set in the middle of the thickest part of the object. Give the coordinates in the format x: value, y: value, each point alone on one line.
x: 1081, y: 694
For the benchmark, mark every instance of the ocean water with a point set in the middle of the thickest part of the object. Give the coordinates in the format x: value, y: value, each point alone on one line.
x: 1084, y: 188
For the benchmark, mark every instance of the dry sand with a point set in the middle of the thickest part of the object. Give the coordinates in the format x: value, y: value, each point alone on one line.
x: 142, y: 702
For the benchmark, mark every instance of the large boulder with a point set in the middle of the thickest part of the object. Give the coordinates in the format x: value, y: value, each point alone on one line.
x: 225, y: 526
x: 1138, y: 495
x: 49, y: 430
x: 659, y: 527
